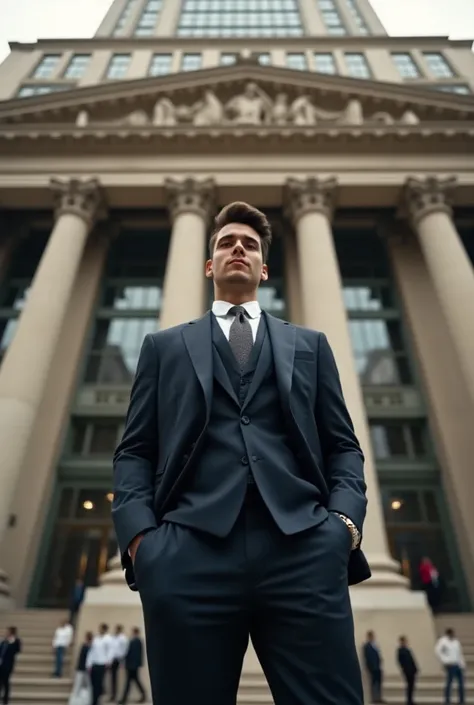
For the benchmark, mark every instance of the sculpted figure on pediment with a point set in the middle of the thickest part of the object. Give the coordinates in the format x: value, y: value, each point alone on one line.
x: 252, y: 107
x: 165, y: 113
x: 208, y: 111
x: 280, y: 110
x: 137, y: 118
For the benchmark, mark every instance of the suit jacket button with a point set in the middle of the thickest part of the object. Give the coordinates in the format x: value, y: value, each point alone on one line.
x: 245, y: 420
x: 244, y: 460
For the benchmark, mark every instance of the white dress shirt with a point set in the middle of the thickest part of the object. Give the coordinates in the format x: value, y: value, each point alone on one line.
x: 221, y: 309
x: 120, y: 646
x: 63, y: 636
x: 101, y: 652
x: 449, y: 652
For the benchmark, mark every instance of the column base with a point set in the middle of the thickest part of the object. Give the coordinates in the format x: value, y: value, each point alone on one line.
x: 6, y: 601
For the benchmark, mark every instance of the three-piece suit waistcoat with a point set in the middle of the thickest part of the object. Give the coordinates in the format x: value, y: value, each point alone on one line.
x: 246, y: 442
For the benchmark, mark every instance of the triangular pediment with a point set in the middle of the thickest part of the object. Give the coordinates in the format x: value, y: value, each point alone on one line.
x: 245, y: 95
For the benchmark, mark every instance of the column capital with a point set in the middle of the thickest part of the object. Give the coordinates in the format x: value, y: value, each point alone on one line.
x: 309, y: 196
x: 423, y: 196
x: 191, y: 196
x: 82, y: 198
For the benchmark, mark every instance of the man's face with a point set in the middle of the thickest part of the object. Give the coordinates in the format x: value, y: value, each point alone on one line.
x: 237, y: 259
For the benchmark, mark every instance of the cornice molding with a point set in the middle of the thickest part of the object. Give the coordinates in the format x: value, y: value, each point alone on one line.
x: 247, y: 42
x: 288, y: 138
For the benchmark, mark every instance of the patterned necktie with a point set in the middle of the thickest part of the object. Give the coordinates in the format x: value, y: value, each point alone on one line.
x: 240, y: 337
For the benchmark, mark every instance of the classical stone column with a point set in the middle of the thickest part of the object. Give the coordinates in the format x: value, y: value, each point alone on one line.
x: 310, y: 205
x: 28, y: 360
x: 450, y: 407
x: 292, y: 279
x: 428, y: 205
x: 191, y: 204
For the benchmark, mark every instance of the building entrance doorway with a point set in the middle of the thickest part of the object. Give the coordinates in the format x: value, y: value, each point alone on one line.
x: 80, y: 546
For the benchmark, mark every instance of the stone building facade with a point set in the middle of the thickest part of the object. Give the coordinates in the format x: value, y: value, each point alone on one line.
x: 115, y: 152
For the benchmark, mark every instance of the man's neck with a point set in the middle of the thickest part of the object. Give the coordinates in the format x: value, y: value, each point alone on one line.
x: 234, y: 298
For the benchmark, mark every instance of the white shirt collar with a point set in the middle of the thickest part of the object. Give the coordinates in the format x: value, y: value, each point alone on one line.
x: 222, y: 308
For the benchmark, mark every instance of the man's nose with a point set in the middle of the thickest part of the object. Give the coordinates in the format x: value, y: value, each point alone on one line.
x: 238, y: 247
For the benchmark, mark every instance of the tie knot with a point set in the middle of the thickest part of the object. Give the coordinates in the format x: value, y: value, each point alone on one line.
x: 237, y: 311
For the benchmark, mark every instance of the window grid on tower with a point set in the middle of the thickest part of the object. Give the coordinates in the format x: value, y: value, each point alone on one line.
x: 357, y: 65
x: 324, y: 63
x: 160, y: 64
x: 296, y: 61
x: 47, y: 66
x: 357, y: 17
x: 148, y: 19
x: 77, y: 66
x: 240, y: 18
x: 438, y: 65
x: 405, y: 65
x: 118, y: 66
x: 124, y: 17
x: 331, y: 17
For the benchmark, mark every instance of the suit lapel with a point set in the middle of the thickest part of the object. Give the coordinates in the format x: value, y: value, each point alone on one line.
x: 282, y: 337
x: 197, y: 337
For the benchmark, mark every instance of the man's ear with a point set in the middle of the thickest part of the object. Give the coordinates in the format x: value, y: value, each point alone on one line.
x: 264, y: 274
x: 209, y: 272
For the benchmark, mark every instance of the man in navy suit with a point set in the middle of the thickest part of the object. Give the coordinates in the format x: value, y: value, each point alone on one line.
x: 9, y: 648
x: 239, y: 495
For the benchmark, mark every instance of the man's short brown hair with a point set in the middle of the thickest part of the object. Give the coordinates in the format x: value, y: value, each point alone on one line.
x: 240, y: 212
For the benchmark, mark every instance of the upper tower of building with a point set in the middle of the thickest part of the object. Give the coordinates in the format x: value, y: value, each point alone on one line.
x: 240, y: 18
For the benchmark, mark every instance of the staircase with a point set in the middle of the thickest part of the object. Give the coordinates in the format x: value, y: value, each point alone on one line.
x: 32, y: 683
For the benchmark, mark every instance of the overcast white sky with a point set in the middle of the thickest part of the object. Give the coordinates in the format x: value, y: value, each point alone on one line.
x: 28, y: 20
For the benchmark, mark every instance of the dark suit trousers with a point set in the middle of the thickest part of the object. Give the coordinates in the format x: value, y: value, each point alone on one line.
x: 202, y: 596
x: 5, y: 684
x: 97, y: 683
x: 410, y: 679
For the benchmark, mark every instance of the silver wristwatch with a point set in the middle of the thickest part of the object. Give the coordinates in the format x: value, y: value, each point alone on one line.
x: 355, y: 533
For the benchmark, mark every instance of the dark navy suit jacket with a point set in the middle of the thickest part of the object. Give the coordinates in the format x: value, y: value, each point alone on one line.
x: 169, y: 411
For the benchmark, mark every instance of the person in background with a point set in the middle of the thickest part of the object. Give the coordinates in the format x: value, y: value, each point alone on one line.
x: 373, y: 664
x: 9, y: 648
x: 429, y: 577
x: 133, y: 663
x: 408, y: 666
x: 120, y: 651
x: 81, y: 690
x: 449, y: 651
x: 77, y: 598
x: 98, y: 659
x: 62, y: 640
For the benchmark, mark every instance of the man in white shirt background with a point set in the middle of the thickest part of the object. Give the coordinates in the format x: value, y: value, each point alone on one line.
x: 449, y: 651
x: 120, y: 651
x: 100, y: 658
x: 62, y: 640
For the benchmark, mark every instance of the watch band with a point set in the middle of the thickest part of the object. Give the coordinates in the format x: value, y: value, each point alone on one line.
x: 355, y: 533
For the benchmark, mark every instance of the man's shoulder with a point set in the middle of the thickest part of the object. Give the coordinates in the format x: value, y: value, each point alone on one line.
x: 168, y: 334
x: 300, y: 330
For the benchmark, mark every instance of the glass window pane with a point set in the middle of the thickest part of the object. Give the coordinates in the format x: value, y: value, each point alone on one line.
x: 438, y: 65
x: 104, y: 437
x: 47, y: 66
x: 233, y: 18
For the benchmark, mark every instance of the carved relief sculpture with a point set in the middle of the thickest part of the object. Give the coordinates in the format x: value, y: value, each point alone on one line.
x: 255, y: 108
x: 252, y: 107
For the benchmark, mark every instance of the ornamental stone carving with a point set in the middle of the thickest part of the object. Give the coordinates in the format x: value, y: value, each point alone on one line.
x: 430, y: 195
x: 253, y: 107
x: 82, y: 198
x: 191, y: 196
x: 310, y: 195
